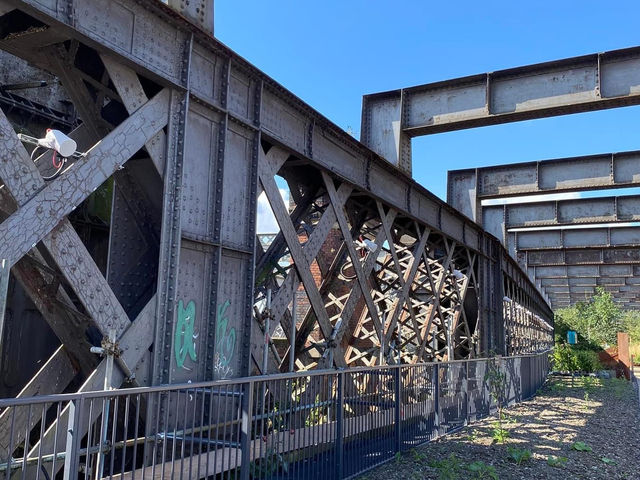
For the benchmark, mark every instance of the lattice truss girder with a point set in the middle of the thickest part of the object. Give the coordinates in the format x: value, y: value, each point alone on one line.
x: 383, y: 286
x: 525, y: 331
x: 47, y: 256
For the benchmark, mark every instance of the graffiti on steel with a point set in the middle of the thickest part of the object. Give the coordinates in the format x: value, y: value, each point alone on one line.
x: 225, y: 342
x: 184, y: 341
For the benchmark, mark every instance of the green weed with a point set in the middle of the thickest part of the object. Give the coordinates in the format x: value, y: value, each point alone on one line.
x: 480, y: 470
x: 449, y: 468
x: 557, y: 462
x: 518, y: 455
x: 499, y: 434
x: 581, y: 447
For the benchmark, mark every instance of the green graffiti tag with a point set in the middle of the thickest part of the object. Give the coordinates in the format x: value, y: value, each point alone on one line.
x: 184, y: 342
x: 225, y: 337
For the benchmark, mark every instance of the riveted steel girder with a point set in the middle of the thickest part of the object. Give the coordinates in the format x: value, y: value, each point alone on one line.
x: 580, y: 84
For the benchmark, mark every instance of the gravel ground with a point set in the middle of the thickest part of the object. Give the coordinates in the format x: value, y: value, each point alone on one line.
x: 603, y: 414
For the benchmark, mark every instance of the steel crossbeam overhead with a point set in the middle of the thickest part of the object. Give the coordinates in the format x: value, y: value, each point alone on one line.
x: 500, y: 219
x: 178, y: 137
x: 580, y: 84
x: 583, y: 238
x: 467, y: 188
x: 581, y: 256
x: 585, y: 271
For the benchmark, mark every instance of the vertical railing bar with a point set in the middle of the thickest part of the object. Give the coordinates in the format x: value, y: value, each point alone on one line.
x: 10, y: 448
x: 217, y: 434
x: 224, y: 438
x: 103, y: 437
x: 154, y: 447
x: 398, y: 395
x: 73, y: 439
x: 340, y: 426
x: 90, y: 432
x: 210, y: 419
x: 43, y: 417
x: 135, y: 441
x: 174, y: 442
x: 196, y: 393
x: 55, y: 438
x: 236, y: 432
x: 27, y: 431
x: 200, y: 448
x: 184, y: 429
x: 164, y: 435
x: 114, y: 423
x: 125, y: 434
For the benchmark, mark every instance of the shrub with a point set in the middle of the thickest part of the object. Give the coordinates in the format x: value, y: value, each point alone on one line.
x: 570, y: 359
x: 564, y: 359
x: 588, y: 361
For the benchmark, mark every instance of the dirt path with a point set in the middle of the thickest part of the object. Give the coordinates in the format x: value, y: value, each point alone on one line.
x: 603, y: 415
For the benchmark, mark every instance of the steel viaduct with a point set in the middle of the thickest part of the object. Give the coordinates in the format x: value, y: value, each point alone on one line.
x: 146, y: 243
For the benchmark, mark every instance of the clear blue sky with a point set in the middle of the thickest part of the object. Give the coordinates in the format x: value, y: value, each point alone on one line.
x: 330, y: 53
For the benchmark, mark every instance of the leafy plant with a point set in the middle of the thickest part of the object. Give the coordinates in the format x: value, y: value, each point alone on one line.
x: 473, y: 435
x: 499, y: 434
x: 481, y: 470
x: 448, y: 468
x: 556, y: 462
x: 518, y: 455
x: 418, y: 457
x: 581, y: 447
x: 608, y: 461
x: 496, y: 378
x: 398, y: 457
x: 268, y: 465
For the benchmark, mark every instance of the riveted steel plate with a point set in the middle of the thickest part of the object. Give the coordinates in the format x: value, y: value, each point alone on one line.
x: 206, y: 74
x: 427, y: 211
x: 441, y: 105
x: 545, y: 258
x: 502, y: 181
x: 626, y: 167
x: 128, y: 265
x: 241, y: 94
x: 620, y: 76
x: 451, y: 224
x: 283, y: 121
x: 188, y: 352
x: 236, y: 196
x: 329, y: 152
x: 621, y: 255
x: 493, y: 221
x: 199, y: 173
x: 382, y: 183
x: 230, y: 314
x: 134, y: 30
x: 575, y: 257
x: 543, y: 90
x: 110, y: 21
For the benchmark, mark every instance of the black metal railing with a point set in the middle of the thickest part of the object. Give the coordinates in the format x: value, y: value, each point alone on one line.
x: 319, y: 424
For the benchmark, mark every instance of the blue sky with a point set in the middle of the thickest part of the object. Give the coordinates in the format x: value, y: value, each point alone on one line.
x: 331, y: 53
